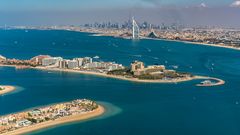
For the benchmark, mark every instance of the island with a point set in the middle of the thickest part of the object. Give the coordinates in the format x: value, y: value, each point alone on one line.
x: 6, y: 89
x: 48, y: 116
x: 136, y: 72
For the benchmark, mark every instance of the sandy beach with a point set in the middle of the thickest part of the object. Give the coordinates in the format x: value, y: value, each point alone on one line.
x: 119, y: 77
x: 7, y: 89
x: 196, y: 43
x: 218, y: 82
x: 177, y: 80
x: 68, y: 119
x: 187, y: 42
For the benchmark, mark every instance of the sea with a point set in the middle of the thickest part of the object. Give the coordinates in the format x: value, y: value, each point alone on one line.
x: 131, y: 108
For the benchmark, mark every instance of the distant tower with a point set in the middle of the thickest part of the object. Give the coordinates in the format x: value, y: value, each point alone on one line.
x: 135, y: 30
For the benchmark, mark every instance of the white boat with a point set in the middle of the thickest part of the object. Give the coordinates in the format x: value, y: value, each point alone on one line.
x: 96, y: 57
x: 175, y: 67
x: 207, y: 82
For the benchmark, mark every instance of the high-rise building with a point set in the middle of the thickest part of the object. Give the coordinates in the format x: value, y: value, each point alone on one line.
x: 72, y: 64
x: 63, y: 64
x: 87, y: 60
x: 135, y: 30
x: 137, y: 66
x: 2, y: 58
x: 53, y: 61
x: 80, y: 61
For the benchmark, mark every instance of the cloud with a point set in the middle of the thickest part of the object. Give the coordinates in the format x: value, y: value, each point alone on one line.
x: 153, y: 2
x: 203, y: 5
x: 235, y: 4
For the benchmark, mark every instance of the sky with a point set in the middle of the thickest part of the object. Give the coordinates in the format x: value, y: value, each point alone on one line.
x: 76, y: 12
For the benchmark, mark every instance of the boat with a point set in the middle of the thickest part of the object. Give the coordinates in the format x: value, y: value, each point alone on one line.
x: 175, y: 66
x: 206, y: 82
x: 96, y: 57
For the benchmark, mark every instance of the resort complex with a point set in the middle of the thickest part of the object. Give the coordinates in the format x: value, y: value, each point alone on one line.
x: 136, y: 72
x: 43, y: 117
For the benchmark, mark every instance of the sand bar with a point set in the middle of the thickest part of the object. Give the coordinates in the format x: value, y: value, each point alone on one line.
x: 68, y: 119
x: 197, y: 43
x: 118, y: 77
x: 218, y: 82
x: 6, y: 89
x: 176, y: 80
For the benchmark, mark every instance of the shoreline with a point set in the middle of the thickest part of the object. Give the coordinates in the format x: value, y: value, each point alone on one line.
x: 219, y: 82
x: 7, y: 89
x: 196, y: 43
x: 68, y: 119
x: 99, y: 33
x: 135, y: 79
x: 162, y: 39
x: 177, y: 80
x: 117, y: 77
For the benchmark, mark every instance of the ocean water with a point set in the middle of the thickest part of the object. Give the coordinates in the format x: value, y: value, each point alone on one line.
x: 138, y: 108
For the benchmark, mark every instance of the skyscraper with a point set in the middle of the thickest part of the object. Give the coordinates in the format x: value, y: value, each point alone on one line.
x: 135, y: 29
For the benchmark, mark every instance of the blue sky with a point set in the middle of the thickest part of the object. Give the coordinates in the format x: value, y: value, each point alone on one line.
x: 12, y: 5
x: 68, y: 12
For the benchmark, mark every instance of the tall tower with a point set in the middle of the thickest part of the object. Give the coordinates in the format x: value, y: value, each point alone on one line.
x: 135, y: 30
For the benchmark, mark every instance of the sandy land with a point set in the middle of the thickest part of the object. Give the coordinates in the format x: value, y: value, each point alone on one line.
x: 7, y: 89
x: 196, y: 43
x: 119, y: 77
x: 177, y: 80
x: 68, y: 119
x: 188, y: 42
x: 219, y: 82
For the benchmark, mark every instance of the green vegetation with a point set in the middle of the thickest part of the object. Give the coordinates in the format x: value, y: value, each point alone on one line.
x: 32, y: 120
x: 1, y: 88
x: 150, y: 77
x: 123, y: 72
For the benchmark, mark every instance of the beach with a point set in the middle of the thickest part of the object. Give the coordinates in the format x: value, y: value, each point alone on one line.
x: 97, y: 33
x: 218, y: 82
x: 196, y: 43
x: 7, y: 89
x: 68, y: 119
x: 176, y: 80
x: 118, y: 77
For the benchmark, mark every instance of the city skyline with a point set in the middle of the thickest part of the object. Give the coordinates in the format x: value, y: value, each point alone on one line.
x: 187, y: 12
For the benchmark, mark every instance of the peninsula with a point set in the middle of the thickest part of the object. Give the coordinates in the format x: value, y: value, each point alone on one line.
x: 136, y: 72
x: 45, y: 117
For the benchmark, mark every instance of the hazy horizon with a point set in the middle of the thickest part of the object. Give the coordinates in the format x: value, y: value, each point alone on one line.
x: 73, y: 12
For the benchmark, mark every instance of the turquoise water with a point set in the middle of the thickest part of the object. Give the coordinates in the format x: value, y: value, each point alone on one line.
x: 166, y: 109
